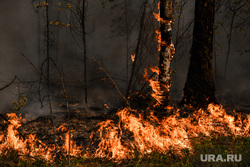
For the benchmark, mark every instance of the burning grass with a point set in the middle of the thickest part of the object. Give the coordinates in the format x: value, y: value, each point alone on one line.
x: 30, y: 146
x: 136, y: 132
x: 202, y: 144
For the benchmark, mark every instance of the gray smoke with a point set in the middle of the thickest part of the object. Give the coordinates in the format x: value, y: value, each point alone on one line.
x: 22, y: 31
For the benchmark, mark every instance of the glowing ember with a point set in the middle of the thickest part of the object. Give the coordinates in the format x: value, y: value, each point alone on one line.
x: 106, y: 106
x: 133, y: 58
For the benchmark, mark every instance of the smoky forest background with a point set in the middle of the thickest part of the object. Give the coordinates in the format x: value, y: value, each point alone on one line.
x: 91, y: 50
x: 124, y: 82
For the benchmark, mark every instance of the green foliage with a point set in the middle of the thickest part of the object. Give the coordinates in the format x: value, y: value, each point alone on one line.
x: 11, y: 158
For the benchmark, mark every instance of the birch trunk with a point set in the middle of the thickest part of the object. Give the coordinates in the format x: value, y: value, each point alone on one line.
x: 167, y: 49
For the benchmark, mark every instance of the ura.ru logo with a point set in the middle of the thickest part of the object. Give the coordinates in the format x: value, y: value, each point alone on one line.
x: 219, y: 158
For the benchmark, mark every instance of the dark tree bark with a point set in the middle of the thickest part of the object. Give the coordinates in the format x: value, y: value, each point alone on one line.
x: 199, y: 88
x: 84, y: 51
x: 166, y: 49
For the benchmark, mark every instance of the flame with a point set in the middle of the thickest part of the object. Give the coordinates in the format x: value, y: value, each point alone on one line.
x: 158, y: 37
x: 61, y: 128
x: 150, y: 134
x: 76, y: 104
x: 106, y: 106
x: 133, y: 57
x: 157, y: 15
x: 136, y: 130
x: 32, y: 146
x: 154, y: 83
x: 173, y: 132
x: 70, y: 145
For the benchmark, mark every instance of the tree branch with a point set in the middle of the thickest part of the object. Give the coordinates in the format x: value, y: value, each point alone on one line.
x: 11, y: 82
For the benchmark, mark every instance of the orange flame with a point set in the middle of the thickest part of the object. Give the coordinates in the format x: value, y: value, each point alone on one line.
x: 70, y: 145
x: 173, y: 132
x: 133, y: 57
x: 106, y: 106
x: 32, y: 146
x: 154, y: 83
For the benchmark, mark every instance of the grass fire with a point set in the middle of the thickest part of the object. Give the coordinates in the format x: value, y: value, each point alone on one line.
x: 107, y: 88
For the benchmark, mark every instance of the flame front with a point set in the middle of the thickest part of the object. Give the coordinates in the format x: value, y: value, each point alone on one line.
x: 32, y: 146
x: 173, y: 132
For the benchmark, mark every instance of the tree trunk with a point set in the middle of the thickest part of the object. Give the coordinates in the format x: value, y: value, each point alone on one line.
x: 84, y: 51
x: 166, y: 49
x: 199, y: 88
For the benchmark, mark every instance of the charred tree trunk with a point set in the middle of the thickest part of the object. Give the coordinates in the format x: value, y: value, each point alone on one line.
x: 166, y: 49
x: 199, y: 88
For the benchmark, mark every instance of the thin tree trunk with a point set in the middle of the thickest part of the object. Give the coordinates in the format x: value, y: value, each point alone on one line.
x: 47, y: 45
x: 136, y: 51
x: 199, y: 88
x: 84, y: 51
x: 38, y: 38
x: 229, y: 44
x: 234, y: 11
x: 48, y: 67
x: 127, y: 38
x: 167, y: 49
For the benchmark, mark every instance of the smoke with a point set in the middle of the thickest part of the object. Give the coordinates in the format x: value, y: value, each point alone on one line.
x: 22, y: 31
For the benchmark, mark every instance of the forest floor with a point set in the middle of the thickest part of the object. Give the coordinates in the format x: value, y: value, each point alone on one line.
x: 83, y: 124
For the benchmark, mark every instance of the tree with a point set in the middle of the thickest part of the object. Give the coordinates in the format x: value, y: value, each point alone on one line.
x: 235, y: 8
x: 78, y: 28
x: 166, y: 49
x: 199, y: 89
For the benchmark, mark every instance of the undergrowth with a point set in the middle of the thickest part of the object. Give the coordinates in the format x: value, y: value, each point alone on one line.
x: 222, y: 145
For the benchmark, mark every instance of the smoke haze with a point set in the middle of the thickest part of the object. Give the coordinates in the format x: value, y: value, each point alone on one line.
x: 22, y: 31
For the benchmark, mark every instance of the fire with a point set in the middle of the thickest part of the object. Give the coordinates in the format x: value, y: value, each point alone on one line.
x: 142, y: 131
x: 157, y: 15
x: 62, y: 128
x: 158, y: 37
x: 136, y: 130
x: 31, y: 145
x: 133, y: 57
x: 70, y: 145
x: 106, y: 106
x: 154, y: 83
x: 76, y: 104
x: 173, y: 132
x: 14, y: 141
